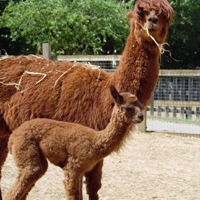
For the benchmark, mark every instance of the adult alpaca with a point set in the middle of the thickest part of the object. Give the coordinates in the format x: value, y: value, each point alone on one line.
x: 81, y: 94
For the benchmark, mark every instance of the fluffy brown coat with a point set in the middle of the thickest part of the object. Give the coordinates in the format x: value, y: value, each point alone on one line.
x: 80, y: 95
x: 73, y: 147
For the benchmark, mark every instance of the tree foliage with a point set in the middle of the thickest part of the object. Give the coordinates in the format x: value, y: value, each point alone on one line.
x: 95, y: 26
x: 72, y: 27
x: 184, y: 36
x: 6, y: 45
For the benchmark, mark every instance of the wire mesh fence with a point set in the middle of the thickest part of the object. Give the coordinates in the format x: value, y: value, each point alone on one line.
x: 175, y: 104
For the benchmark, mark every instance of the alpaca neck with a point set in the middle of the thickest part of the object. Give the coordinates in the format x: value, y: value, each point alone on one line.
x: 139, y: 68
x: 111, y: 138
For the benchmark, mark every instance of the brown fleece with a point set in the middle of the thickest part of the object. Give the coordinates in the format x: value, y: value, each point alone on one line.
x: 73, y: 147
x: 80, y: 95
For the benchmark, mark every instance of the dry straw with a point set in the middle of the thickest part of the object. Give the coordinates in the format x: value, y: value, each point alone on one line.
x: 18, y: 85
x: 84, y: 65
x: 160, y: 46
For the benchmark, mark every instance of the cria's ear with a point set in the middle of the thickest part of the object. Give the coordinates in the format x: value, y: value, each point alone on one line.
x: 117, y: 97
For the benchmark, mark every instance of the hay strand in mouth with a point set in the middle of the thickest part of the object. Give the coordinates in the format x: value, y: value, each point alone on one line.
x: 160, y: 46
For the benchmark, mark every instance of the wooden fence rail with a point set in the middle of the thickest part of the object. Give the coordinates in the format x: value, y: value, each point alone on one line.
x: 177, y: 94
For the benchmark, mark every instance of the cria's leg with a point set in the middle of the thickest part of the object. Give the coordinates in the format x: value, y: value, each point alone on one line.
x: 72, y: 185
x: 93, y: 181
x: 31, y: 166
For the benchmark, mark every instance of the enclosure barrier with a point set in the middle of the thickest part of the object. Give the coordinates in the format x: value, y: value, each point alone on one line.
x: 175, y: 101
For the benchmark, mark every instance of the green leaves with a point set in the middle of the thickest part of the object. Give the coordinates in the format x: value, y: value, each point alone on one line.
x: 184, y: 36
x: 72, y: 27
x: 95, y: 27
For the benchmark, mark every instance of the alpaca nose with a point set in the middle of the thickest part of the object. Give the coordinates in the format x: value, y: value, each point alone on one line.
x: 141, y: 116
x: 152, y: 17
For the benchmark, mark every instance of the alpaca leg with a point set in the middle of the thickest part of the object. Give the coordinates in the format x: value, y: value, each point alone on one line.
x: 72, y: 187
x: 44, y: 169
x: 3, y: 155
x: 81, y: 187
x: 24, y: 182
x: 93, y: 181
x: 4, y: 136
x: 31, y: 166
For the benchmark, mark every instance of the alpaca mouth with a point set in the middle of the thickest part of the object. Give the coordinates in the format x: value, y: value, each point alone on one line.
x: 152, y: 29
x: 138, y: 120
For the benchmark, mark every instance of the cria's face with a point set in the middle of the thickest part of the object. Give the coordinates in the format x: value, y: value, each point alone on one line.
x: 131, y: 108
x: 133, y: 113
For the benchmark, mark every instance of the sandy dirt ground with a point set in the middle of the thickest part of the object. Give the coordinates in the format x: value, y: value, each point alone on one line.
x: 150, y: 166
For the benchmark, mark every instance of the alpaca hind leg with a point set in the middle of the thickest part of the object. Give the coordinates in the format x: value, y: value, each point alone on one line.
x: 24, y: 182
x: 93, y: 181
x: 31, y: 166
x: 44, y: 169
x: 72, y: 187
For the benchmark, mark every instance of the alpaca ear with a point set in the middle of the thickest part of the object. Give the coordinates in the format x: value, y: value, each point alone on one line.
x: 129, y: 15
x: 117, y: 97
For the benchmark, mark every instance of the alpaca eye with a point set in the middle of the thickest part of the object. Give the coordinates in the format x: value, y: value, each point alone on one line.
x: 140, y: 11
x: 127, y: 109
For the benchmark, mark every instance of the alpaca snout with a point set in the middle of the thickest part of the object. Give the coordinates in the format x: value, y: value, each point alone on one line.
x: 152, y: 18
x: 140, y: 116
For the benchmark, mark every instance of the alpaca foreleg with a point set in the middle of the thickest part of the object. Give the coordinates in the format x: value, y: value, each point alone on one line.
x: 3, y: 155
x: 72, y: 185
x: 80, y: 187
x: 93, y: 181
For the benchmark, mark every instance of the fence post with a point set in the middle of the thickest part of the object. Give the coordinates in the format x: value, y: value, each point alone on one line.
x: 46, y: 50
x: 143, y: 126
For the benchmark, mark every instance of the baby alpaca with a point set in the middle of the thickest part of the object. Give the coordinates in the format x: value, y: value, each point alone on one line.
x: 73, y: 147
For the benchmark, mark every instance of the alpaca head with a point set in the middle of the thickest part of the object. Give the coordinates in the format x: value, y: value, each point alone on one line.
x: 154, y: 15
x: 127, y: 107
